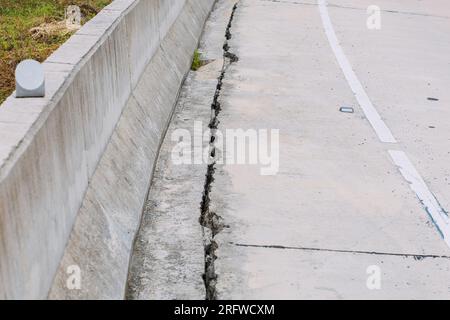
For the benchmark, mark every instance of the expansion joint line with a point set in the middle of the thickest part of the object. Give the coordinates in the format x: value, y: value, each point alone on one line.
x: 212, y: 224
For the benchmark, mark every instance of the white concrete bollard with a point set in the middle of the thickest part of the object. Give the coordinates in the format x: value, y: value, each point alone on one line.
x: 30, y: 79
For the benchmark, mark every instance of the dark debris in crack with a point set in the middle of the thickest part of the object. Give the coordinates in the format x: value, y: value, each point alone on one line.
x: 212, y: 223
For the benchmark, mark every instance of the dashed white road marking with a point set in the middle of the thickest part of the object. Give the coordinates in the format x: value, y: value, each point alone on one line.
x: 437, y: 214
x: 381, y: 129
x: 428, y: 200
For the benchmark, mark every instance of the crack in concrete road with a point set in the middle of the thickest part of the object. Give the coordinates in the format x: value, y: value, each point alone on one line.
x: 343, y: 208
x: 405, y: 255
x: 211, y: 223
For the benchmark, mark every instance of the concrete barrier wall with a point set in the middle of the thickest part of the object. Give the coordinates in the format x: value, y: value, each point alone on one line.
x: 75, y: 166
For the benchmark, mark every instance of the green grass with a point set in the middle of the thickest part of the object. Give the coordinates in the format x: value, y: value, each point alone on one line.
x: 17, y: 17
x: 196, y: 62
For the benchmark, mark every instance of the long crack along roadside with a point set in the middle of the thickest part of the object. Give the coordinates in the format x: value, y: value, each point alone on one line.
x: 212, y: 224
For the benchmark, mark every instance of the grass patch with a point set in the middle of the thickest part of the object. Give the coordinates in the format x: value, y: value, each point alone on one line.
x: 196, y: 61
x: 17, y: 17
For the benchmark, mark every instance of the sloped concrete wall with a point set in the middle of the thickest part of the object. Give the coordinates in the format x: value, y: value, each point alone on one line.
x: 75, y: 166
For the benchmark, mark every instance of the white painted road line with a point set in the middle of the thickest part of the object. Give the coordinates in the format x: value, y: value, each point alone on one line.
x: 428, y: 200
x: 437, y: 214
x: 381, y: 129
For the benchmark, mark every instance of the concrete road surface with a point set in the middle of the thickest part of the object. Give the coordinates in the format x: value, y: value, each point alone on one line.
x: 357, y: 206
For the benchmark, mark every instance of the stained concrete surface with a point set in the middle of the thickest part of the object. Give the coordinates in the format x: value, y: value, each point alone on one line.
x: 338, y: 205
x: 337, y: 189
x: 168, y: 257
x: 168, y: 261
x: 102, y: 237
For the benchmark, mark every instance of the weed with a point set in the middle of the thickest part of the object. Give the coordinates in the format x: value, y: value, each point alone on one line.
x: 196, y: 62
